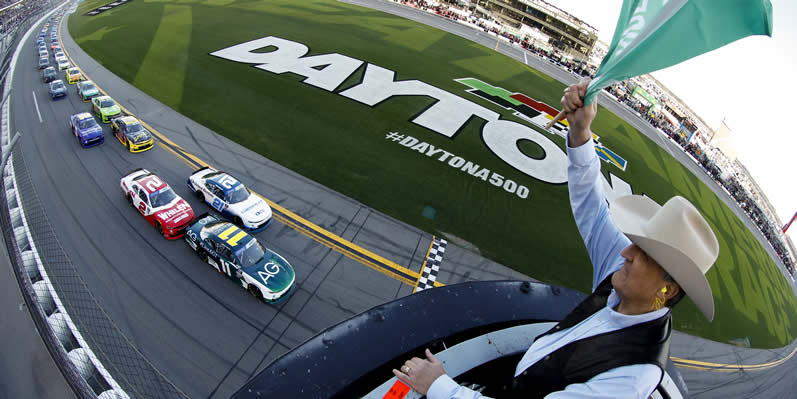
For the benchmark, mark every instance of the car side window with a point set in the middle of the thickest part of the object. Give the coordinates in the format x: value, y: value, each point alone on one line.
x: 142, y: 195
x: 225, y: 252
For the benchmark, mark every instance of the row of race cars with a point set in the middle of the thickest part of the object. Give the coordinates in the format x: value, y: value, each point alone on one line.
x: 222, y: 240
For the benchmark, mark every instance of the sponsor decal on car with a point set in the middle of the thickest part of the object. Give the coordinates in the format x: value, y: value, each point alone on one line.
x: 167, y: 214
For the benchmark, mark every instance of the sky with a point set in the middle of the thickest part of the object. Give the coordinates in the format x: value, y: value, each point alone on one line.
x: 748, y: 83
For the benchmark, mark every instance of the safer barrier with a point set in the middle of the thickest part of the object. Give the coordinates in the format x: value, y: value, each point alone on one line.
x: 97, y: 360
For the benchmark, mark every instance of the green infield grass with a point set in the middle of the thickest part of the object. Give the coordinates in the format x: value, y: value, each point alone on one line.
x: 163, y: 48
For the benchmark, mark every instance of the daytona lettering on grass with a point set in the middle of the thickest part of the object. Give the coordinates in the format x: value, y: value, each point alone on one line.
x: 460, y: 163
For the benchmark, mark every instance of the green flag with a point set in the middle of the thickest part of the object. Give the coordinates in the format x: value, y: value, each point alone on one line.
x: 655, y: 34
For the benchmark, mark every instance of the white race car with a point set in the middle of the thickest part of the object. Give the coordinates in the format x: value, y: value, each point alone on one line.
x: 230, y: 198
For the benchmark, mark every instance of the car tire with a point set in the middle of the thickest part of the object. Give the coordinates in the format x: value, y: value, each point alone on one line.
x: 159, y: 228
x: 130, y: 200
x: 199, y: 194
x: 203, y: 256
x: 237, y: 220
x: 128, y: 146
x: 254, y: 291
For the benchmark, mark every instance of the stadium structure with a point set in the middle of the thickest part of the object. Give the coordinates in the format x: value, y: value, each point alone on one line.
x: 567, y: 33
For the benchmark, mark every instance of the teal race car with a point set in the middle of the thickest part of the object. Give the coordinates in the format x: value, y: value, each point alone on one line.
x: 105, y: 108
x: 87, y: 90
x: 239, y: 256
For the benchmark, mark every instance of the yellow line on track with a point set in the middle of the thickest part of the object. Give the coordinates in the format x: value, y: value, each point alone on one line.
x: 707, y: 366
x: 291, y: 219
x: 425, y: 259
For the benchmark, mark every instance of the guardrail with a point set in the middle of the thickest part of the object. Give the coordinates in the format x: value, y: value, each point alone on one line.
x: 95, y: 357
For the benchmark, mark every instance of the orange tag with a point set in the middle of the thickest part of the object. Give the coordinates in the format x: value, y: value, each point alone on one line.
x: 398, y: 391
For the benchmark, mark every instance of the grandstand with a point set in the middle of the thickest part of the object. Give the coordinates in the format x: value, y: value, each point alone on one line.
x: 565, y: 32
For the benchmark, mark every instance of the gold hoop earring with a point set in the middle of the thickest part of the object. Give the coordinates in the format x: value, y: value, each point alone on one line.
x: 657, y: 303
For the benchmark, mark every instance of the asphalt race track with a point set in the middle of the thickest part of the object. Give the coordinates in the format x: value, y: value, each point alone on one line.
x: 196, y: 327
x: 204, y: 333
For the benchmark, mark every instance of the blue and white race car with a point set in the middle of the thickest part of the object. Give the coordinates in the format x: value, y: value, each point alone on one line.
x: 86, y: 129
x: 230, y: 198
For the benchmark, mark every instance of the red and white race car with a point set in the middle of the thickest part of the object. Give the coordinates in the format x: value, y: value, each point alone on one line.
x: 159, y: 204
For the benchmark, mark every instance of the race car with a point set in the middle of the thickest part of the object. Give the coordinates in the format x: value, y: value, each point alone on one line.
x: 230, y: 198
x: 105, y: 108
x: 49, y: 74
x: 44, y: 62
x: 86, y: 90
x: 129, y: 131
x: 157, y: 202
x: 57, y: 89
x: 73, y: 75
x: 86, y: 129
x: 63, y: 63
x: 239, y: 256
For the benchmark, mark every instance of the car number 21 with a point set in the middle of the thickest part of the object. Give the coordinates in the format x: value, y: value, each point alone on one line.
x: 218, y: 204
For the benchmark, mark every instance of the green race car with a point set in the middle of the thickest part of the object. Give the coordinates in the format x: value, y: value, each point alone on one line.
x: 87, y: 90
x: 105, y: 108
x: 240, y: 257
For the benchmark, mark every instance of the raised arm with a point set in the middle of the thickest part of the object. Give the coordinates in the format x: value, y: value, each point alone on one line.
x: 587, y: 199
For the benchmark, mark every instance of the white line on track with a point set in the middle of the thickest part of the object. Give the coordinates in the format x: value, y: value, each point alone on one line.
x: 525, y: 59
x: 36, y: 103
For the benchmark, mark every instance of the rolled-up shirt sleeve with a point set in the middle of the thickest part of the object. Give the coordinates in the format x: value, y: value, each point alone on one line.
x: 604, y: 241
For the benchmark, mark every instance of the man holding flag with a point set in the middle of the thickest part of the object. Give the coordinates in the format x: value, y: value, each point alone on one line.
x: 645, y: 256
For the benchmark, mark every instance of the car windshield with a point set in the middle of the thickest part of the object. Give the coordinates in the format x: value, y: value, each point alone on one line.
x: 106, y: 103
x: 252, y: 254
x: 57, y: 85
x: 88, y: 87
x: 162, y: 197
x: 44, y: 61
x: 238, y: 194
x: 86, y: 123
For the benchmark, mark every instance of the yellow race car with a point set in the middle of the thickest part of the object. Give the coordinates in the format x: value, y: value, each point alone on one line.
x: 129, y: 131
x: 73, y: 75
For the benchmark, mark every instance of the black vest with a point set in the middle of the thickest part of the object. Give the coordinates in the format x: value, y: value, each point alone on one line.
x: 579, y: 361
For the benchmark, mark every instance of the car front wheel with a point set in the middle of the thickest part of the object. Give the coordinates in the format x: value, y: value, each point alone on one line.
x: 254, y: 291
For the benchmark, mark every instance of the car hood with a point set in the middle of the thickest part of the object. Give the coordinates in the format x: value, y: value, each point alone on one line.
x: 90, y: 92
x: 91, y: 131
x: 175, y: 214
x: 253, y: 209
x: 111, y: 110
x: 58, y: 89
x: 273, y: 272
x: 137, y: 138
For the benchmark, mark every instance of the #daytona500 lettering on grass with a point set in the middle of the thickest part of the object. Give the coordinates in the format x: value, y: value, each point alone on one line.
x: 460, y: 163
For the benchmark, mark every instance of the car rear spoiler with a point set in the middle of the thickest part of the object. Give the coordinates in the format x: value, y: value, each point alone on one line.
x: 121, y: 115
x: 134, y: 171
x: 201, y: 169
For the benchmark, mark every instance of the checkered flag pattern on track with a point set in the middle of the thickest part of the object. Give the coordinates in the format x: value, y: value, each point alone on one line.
x: 431, y: 266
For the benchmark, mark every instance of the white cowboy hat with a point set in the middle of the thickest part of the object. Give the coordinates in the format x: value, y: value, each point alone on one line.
x: 677, y: 237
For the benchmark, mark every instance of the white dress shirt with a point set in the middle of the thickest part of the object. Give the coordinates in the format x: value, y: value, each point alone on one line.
x: 604, y: 243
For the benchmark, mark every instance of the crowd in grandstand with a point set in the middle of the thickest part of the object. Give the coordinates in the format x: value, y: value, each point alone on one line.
x: 15, y: 12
